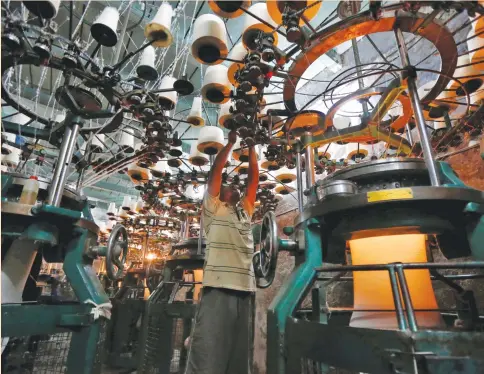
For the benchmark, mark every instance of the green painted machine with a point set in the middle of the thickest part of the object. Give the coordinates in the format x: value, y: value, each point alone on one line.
x: 367, y: 200
x: 54, y: 337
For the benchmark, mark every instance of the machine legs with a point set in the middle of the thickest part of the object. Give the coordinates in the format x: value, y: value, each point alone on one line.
x: 289, y: 296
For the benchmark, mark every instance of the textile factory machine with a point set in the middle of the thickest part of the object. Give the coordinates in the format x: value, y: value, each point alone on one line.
x: 379, y: 210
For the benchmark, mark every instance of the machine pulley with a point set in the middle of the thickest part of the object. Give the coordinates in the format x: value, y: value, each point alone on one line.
x: 117, y: 245
x: 265, y: 260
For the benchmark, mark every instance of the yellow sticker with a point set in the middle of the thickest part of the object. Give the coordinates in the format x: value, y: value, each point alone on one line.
x: 393, y: 194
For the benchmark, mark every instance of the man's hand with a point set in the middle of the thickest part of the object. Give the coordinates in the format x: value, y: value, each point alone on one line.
x: 250, y: 142
x: 232, y: 137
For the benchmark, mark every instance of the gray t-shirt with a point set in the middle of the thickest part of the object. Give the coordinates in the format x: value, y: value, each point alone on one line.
x: 230, y: 245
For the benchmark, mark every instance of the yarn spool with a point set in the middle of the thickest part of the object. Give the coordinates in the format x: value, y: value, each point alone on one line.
x: 197, y: 158
x: 252, y: 26
x: 159, y: 28
x: 169, y: 98
x: 104, y: 29
x: 216, y: 86
x: 228, y: 9
x: 46, y: 9
x: 211, y: 140
x: 195, y: 116
x: 209, y: 45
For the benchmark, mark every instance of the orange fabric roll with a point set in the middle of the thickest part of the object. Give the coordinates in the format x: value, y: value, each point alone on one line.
x: 372, y: 289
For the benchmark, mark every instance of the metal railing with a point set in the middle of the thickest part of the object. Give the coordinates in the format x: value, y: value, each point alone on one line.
x: 399, y: 286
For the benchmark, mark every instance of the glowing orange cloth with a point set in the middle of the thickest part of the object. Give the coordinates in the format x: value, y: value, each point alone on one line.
x: 372, y: 289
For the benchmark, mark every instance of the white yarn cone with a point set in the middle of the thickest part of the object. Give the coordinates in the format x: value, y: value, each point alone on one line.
x: 168, y: 99
x: 126, y: 203
x: 146, y: 69
x: 195, y: 116
x: 211, y: 140
x: 216, y: 86
x: 104, y: 29
x: 159, y: 28
x: 252, y: 26
x: 111, y: 209
x: 224, y: 115
x: 126, y: 140
x: 197, y: 158
x: 228, y: 9
x: 209, y: 45
x: 46, y: 9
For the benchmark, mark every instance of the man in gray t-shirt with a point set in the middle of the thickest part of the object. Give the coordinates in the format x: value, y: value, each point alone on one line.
x: 222, y: 336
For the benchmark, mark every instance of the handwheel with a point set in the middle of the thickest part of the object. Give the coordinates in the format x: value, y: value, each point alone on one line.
x: 265, y: 260
x: 116, y: 246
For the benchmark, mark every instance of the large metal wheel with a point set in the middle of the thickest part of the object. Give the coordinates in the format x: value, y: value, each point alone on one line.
x: 265, y: 260
x: 117, y: 246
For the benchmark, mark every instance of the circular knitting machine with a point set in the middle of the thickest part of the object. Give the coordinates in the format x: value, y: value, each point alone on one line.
x: 353, y: 108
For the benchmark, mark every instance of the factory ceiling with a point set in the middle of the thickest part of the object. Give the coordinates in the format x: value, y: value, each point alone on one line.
x: 35, y: 87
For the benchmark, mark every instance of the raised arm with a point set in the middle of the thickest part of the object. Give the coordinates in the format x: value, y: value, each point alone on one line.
x: 215, y: 177
x: 252, y: 179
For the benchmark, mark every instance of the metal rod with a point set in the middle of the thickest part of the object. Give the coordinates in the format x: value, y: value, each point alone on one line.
x: 418, y: 113
x: 409, y: 134
x: 458, y: 277
x: 200, y: 236
x: 121, y: 36
x: 408, y: 265
x: 131, y: 54
x: 356, y: 53
x: 65, y: 156
x: 299, y: 181
x: 309, y: 167
x: 407, y: 299
x: 402, y: 323
x: 93, y: 54
x: 200, y: 232
x: 71, y: 19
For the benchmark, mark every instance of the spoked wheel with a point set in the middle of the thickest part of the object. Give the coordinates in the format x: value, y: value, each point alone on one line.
x: 117, y: 250
x: 265, y: 260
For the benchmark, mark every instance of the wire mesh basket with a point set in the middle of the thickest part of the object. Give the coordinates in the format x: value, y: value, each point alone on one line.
x: 36, y: 354
x: 45, y: 353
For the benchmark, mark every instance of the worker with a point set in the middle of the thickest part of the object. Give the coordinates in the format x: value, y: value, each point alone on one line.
x: 222, y: 336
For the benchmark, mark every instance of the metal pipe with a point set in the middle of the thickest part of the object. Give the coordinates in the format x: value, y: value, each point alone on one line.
x: 200, y: 236
x: 310, y: 177
x: 417, y: 111
x: 200, y: 232
x: 407, y: 265
x: 412, y: 322
x: 409, y: 134
x: 356, y: 53
x: 458, y: 277
x: 299, y: 181
x: 65, y: 156
x: 402, y: 323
